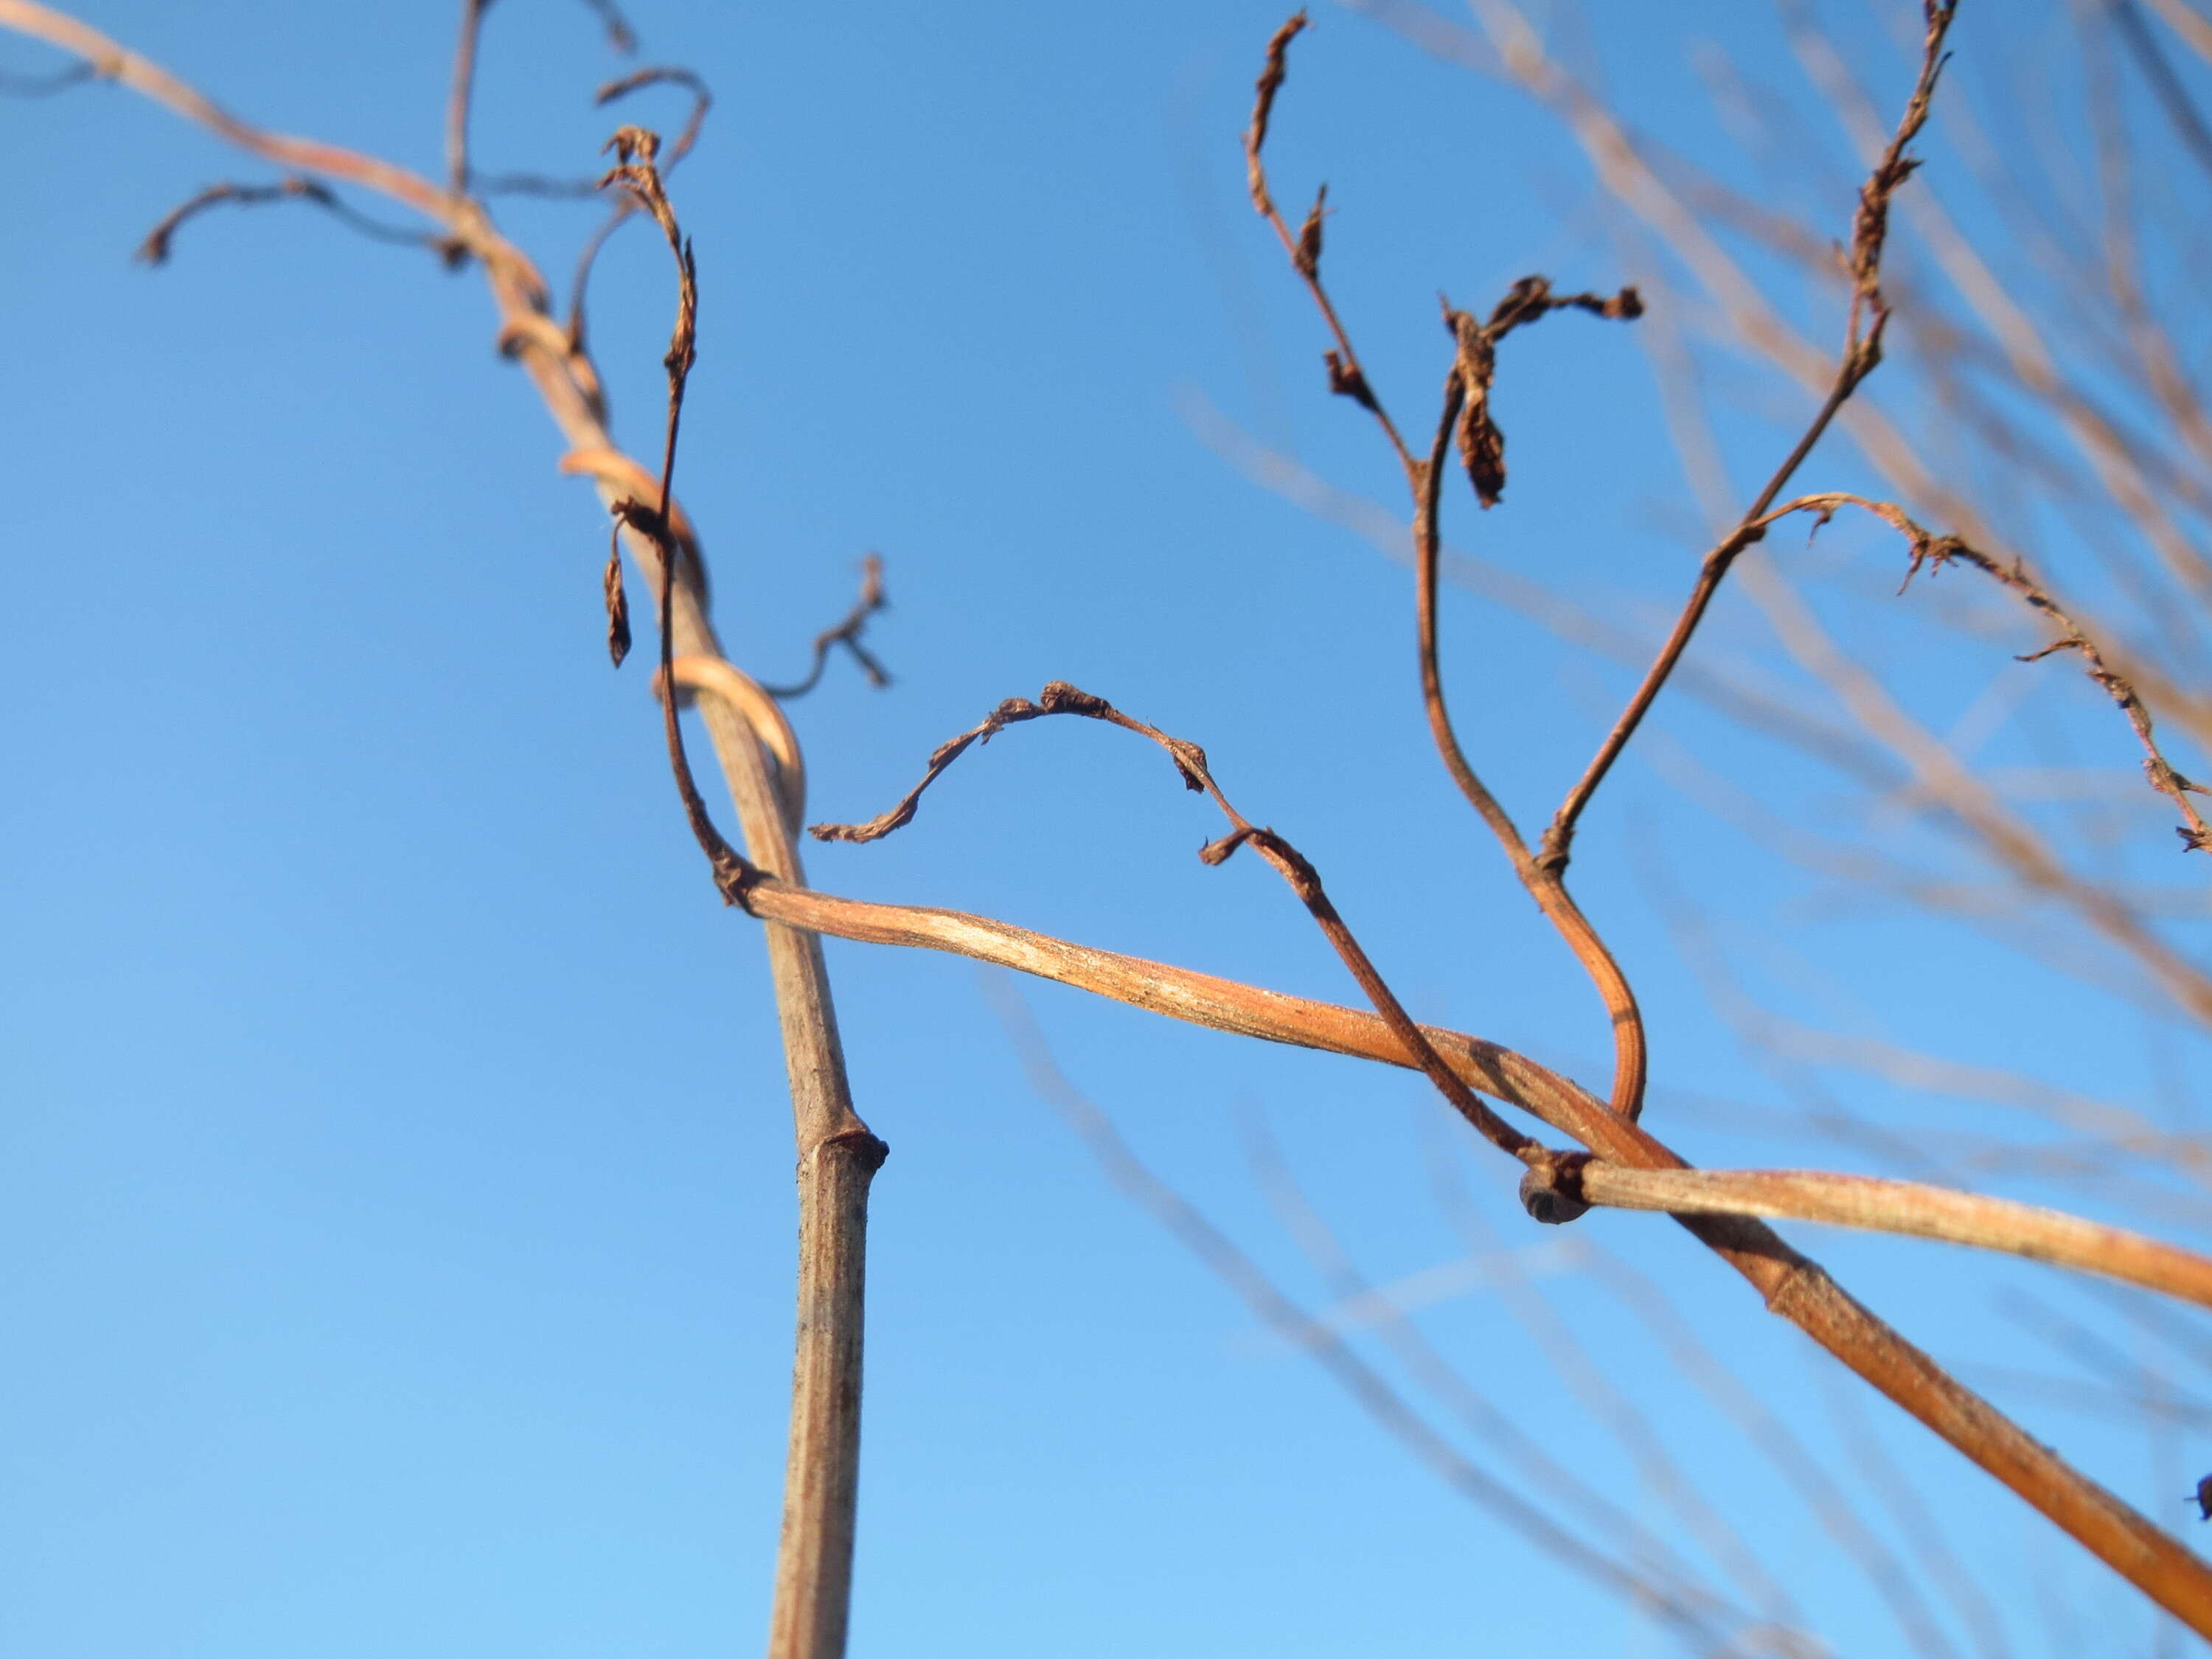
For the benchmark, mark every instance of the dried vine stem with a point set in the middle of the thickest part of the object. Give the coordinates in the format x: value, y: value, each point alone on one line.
x: 1934, y: 552
x: 1665, y: 205
x: 1482, y: 446
x: 1867, y: 316
x: 702, y: 101
x: 634, y: 149
x: 848, y: 633
x: 1060, y: 698
x: 1792, y: 1286
x: 462, y: 95
x: 1567, y: 1187
x: 838, y: 1155
x: 155, y: 250
x: 1911, y: 1209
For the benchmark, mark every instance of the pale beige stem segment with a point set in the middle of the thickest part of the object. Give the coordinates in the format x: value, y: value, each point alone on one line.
x: 838, y: 1155
x: 837, y: 1159
x: 1912, y: 1209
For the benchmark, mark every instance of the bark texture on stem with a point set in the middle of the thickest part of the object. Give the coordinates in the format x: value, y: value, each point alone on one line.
x: 837, y: 1159
x: 836, y: 1153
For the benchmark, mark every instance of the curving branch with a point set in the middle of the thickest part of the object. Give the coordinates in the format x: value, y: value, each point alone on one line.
x: 1467, y: 412
x: 848, y: 633
x: 1934, y: 552
x: 160, y: 241
x: 1867, y: 316
x: 1060, y: 698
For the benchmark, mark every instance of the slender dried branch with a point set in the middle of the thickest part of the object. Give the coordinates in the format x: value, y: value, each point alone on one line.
x: 1060, y: 698
x: 156, y: 248
x: 1867, y: 316
x: 1482, y: 445
x: 634, y: 149
x: 702, y: 101
x: 1345, y: 377
x: 1934, y: 552
x: 1546, y: 884
x: 1910, y: 1209
x: 463, y: 94
x: 847, y: 634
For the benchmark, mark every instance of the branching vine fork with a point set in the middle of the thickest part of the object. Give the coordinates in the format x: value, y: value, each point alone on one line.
x: 1619, y: 1163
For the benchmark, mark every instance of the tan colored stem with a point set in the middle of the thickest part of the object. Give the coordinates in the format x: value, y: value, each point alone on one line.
x: 837, y: 1159
x: 1796, y: 1288
x: 760, y: 711
x: 838, y: 1155
x: 1913, y: 1209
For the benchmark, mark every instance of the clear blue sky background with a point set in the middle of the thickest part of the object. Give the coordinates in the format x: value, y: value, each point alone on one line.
x: 395, y: 1166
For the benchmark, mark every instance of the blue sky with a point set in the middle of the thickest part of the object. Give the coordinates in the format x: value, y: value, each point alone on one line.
x: 396, y: 1168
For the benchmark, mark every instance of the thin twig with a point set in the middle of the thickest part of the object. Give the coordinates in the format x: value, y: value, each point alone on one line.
x: 156, y: 248
x: 1934, y: 552
x: 702, y: 101
x: 462, y: 94
x: 1466, y: 410
x: 1345, y: 377
x: 1546, y: 884
x: 847, y: 634
x: 1060, y: 698
x: 1867, y: 316
x: 634, y: 148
